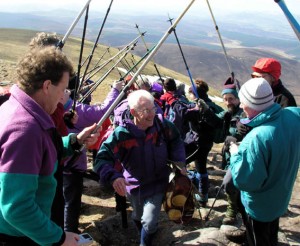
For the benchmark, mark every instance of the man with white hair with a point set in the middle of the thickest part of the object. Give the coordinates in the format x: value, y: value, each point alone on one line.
x: 265, y: 165
x: 142, y: 144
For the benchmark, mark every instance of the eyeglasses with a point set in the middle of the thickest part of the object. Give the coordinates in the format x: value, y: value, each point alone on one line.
x: 147, y: 111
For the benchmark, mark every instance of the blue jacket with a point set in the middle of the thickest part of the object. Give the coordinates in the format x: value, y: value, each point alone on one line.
x: 142, y: 154
x: 267, y: 162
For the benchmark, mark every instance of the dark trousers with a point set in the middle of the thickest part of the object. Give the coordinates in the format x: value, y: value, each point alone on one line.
x: 57, y: 209
x: 259, y: 233
x: 73, y: 187
x: 199, y: 155
x: 6, y: 240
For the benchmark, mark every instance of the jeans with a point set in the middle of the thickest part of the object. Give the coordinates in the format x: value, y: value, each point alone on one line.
x: 147, y: 210
x: 73, y: 187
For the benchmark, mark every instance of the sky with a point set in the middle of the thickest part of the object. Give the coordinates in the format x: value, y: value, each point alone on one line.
x: 219, y: 7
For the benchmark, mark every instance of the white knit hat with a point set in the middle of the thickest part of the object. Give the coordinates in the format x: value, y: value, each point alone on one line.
x: 257, y: 94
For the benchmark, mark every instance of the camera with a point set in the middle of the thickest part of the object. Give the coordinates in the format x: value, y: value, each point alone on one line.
x: 85, y: 239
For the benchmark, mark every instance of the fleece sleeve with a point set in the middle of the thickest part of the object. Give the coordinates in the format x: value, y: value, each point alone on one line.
x: 106, y: 159
x: 249, y: 165
x: 26, y: 194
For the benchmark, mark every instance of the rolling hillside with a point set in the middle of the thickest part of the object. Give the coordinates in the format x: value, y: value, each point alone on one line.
x: 207, y: 64
x: 212, y: 66
x: 14, y: 43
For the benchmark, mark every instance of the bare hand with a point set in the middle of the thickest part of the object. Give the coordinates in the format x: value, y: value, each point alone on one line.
x: 87, y: 136
x: 119, y: 185
x: 233, y: 149
x: 71, y: 239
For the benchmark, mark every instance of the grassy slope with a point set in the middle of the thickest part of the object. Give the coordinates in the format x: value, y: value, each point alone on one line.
x: 14, y: 43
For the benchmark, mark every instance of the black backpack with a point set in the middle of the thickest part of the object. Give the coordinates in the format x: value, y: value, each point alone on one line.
x: 176, y: 112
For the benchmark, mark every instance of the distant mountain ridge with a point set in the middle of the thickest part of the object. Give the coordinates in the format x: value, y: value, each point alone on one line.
x: 212, y: 66
x: 244, y: 43
x: 238, y: 30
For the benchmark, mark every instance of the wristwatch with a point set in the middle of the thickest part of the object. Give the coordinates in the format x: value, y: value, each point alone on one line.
x: 74, y: 142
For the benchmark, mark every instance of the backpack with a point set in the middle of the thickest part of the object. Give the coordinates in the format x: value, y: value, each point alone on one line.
x: 175, y: 113
x: 179, y: 199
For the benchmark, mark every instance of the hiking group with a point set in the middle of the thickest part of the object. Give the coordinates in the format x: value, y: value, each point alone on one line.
x: 156, y: 124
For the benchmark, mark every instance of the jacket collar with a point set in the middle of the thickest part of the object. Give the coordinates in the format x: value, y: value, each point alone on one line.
x: 32, y: 107
x: 267, y: 115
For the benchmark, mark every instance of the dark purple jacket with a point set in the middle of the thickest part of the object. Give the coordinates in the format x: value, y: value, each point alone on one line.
x: 143, y: 155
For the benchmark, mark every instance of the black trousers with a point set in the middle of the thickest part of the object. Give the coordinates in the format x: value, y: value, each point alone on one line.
x: 259, y: 233
x: 262, y: 233
x: 73, y: 187
x: 6, y: 240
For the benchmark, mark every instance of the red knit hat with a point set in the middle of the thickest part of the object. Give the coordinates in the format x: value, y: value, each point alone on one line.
x: 268, y: 65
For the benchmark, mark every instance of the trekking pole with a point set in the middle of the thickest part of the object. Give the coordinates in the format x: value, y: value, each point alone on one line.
x: 62, y: 42
x: 77, y: 83
x: 127, y: 65
x: 158, y: 73
x: 221, y: 41
x: 97, y: 83
x: 184, y: 60
x: 90, y: 57
x: 96, y: 65
x: 122, y: 78
x: 217, y: 195
x: 294, y: 24
x: 68, y: 117
x: 121, y: 206
x: 110, y: 59
x: 150, y: 54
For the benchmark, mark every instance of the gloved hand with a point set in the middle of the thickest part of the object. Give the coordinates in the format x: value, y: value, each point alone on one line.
x: 227, y: 117
x: 242, y: 129
x: 203, y: 107
x: 118, y: 85
x: 228, y: 182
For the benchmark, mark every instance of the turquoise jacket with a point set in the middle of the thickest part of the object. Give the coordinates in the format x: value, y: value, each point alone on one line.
x: 267, y: 162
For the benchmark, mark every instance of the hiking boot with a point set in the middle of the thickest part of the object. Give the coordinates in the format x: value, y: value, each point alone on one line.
x: 237, y: 236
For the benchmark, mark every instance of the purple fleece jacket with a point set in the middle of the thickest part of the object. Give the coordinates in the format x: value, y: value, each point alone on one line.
x: 88, y: 115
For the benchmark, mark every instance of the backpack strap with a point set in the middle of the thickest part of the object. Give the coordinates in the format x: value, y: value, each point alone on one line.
x: 162, y: 129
